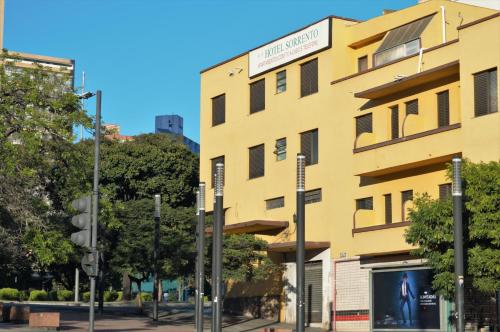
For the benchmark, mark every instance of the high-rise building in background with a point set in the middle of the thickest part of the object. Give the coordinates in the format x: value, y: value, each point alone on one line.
x: 173, y: 125
x: 378, y: 107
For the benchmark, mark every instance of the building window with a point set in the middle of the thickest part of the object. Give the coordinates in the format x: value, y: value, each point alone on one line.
x: 412, y: 107
x: 215, y: 161
x: 309, y: 78
x: 281, y: 81
x: 388, y: 208
x: 280, y: 149
x: 275, y: 203
x: 443, y: 101
x: 309, y: 146
x: 444, y: 191
x: 394, y: 122
x: 406, y: 196
x: 485, y: 92
x: 364, y: 124
x: 257, y: 96
x: 218, y: 110
x: 401, y: 41
x: 312, y: 196
x: 364, y: 203
x: 362, y: 63
x: 256, y: 161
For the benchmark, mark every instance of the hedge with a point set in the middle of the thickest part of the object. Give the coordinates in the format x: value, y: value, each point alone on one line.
x: 65, y: 295
x: 86, y: 297
x: 38, y: 295
x: 110, y: 296
x: 9, y: 294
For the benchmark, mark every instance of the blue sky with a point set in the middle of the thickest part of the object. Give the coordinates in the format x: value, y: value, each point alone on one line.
x: 146, y: 55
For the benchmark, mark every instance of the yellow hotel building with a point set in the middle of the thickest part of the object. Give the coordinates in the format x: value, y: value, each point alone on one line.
x: 379, y: 108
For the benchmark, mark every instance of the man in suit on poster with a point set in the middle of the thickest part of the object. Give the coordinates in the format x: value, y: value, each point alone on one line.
x: 404, y: 297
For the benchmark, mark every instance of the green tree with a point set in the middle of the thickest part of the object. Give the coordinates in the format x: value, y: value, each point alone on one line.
x: 431, y: 230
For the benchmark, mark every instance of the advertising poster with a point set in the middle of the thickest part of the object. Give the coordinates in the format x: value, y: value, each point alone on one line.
x: 404, y: 299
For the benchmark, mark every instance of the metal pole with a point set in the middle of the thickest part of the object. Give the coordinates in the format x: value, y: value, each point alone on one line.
x: 300, y: 268
x: 156, y: 247
x: 219, y: 224
x: 201, y: 256
x: 95, y: 202
x: 196, y: 284
x: 458, y: 243
x: 214, y: 255
x: 77, y: 285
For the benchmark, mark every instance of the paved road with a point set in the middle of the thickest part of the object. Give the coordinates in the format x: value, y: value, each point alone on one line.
x: 172, y: 318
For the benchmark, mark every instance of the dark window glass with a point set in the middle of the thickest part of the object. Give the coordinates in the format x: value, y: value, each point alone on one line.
x: 394, y: 122
x: 215, y: 161
x: 256, y: 161
x: 388, y: 208
x: 275, y: 203
x: 364, y: 203
x: 406, y: 196
x: 218, y: 110
x: 363, y: 63
x: 257, y: 96
x: 281, y: 81
x: 443, y: 101
x: 309, y: 78
x: 281, y: 149
x: 412, y: 107
x: 444, y: 191
x: 309, y: 146
x: 485, y: 92
x: 312, y: 196
x: 364, y: 124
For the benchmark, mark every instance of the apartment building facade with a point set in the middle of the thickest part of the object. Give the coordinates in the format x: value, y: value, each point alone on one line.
x: 379, y: 108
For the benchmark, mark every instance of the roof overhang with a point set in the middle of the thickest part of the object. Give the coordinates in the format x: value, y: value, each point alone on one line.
x: 263, y: 227
x: 291, y: 246
x: 412, y: 81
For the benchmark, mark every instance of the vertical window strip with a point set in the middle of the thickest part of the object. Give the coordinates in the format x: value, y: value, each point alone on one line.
x: 485, y: 92
x: 394, y: 122
x: 388, y: 208
x: 309, y: 78
x: 309, y: 146
x: 406, y: 196
x: 218, y: 110
x: 281, y: 81
x: 281, y: 149
x: 257, y: 96
x: 443, y: 101
x: 256, y: 161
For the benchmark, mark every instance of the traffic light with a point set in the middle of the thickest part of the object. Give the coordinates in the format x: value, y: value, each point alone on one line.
x: 83, y: 221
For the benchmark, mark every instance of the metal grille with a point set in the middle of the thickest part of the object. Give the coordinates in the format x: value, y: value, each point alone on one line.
x: 312, y: 196
x: 314, y: 292
x: 257, y: 96
x: 309, y: 146
x: 218, y: 110
x: 309, y: 78
x: 364, y: 124
x: 364, y: 203
x: 404, y: 34
x: 215, y: 161
x: 388, y: 208
x: 443, y: 101
x: 485, y: 92
x: 412, y: 107
x: 256, y: 161
x: 363, y: 63
x: 444, y: 191
x: 394, y: 122
x: 275, y: 203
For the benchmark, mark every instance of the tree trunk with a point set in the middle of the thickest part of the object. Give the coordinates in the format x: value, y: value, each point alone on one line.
x: 160, y: 291
x: 126, y: 296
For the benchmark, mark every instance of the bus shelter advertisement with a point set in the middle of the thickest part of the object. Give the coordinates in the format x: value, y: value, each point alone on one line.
x: 404, y: 300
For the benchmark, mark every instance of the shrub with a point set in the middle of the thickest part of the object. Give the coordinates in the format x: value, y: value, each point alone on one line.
x: 146, y: 297
x: 110, y: 296
x: 52, y: 295
x: 64, y: 295
x: 24, y: 295
x: 9, y: 294
x: 120, y: 296
x: 38, y: 295
x: 86, y: 297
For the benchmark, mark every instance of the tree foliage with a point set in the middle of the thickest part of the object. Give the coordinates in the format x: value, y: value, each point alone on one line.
x: 431, y: 230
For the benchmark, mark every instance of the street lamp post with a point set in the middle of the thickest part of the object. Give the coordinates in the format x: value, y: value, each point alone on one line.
x: 156, y: 247
x: 458, y: 243
x: 300, y: 268
x: 218, y: 239
x: 200, y: 261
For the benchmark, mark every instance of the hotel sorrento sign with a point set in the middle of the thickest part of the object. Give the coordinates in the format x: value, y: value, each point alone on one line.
x: 294, y: 46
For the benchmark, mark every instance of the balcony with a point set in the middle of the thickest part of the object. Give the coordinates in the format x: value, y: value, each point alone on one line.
x: 417, y: 150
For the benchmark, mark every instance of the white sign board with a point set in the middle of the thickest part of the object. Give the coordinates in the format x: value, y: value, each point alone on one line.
x: 294, y: 46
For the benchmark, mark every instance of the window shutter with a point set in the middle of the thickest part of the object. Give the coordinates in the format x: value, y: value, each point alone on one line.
x: 481, y: 93
x: 388, y: 208
x: 394, y: 122
x: 275, y: 203
x: 364, y: 203
x: 412, y: 107
x: 257, y: 96
x: 443, y: 108
x: 493, y: 93
x: 309, y: 78
x: 216, y: 161
x: 312, y: 196
x: 309, y: 146
x: 256, y: 161
x: 218, y: 110
x: 444, y: 191
x: 364, y: 124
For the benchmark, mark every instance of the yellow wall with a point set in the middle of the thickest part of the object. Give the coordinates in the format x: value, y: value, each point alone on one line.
x: 343, y: 175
